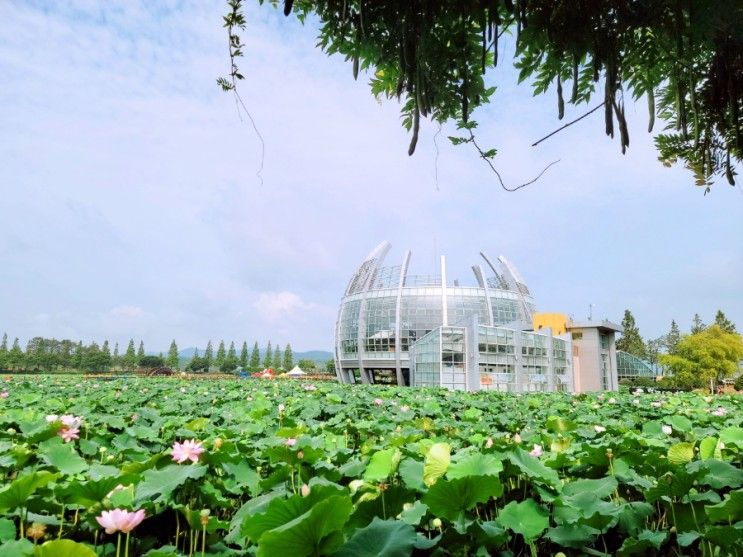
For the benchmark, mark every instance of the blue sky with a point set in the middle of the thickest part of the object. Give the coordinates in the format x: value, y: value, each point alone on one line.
x: 131, y: 206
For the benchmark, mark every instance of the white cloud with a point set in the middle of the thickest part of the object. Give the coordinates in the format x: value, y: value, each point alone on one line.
x: 127, y: 312
x: 274, y: 306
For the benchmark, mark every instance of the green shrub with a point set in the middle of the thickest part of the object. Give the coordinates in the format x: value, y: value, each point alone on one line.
x: 738, y: 383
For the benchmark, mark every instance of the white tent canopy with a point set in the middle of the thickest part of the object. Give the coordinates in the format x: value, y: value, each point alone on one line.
x: 296, y: 372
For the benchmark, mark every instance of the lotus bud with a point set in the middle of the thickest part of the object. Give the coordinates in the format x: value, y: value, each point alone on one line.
x: 517, y: 438
x: 407, y: 506
x: 436, y: 523
x: 217, y: 443
x: 305, y: 490
x: 300, y: 455
x: 204, y: 516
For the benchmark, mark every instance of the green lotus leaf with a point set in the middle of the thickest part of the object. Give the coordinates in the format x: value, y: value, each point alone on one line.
x: 601, y: 488
x: 474, y: 464
x: 411, y: 472
x: 436, y: 462
x: 63, y: 548
x: 448, y: 498
x: 534, y: 468
x: 527, y: 518
x: 17, y: 548
x: 62, y: 456
x: 414, y: 514
x: 390, y: 538
x: 7, y: 530
x: 732, y: 436
x: 729, y: 510
x: 162, y: 483
x: 382, y: 464
x: 681, y: 453
x: 20, y: 490
x: 709, y: 447
x: 575, y: 536
x: 716, y: 473
x: 304, y: 534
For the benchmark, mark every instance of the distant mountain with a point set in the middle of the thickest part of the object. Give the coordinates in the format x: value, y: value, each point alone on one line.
x: 319, y: 356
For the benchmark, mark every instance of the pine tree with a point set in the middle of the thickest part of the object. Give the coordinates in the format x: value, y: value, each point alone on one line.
x: 724, y: 323
x: 130, y: 357
x: 172, y: 360
x: 672, y: 338
x: 288, y: 357
x: 208, y: 355
x: 244, y: 356
x: 231, y: 353
x: 268, y: 356
x: 140, y: 352
x: 255, y: 358
x: 221, y: 354
x: 697, y: 325
x: 115, y: 359
x: 631, y: 341
x: 105, y: 356
x: 15, y: 356
x: 278, y: 361
x: 4, y: 344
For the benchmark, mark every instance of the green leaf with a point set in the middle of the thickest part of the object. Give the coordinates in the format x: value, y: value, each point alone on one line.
x: 7, y: 530
x: 17, y: 548
x: 63, y: 548
x: 414, y: 514
x: 436, y: 462
x: 382, y: 464
x: 448, y: 498
x: 687, y: 538
x: 62, y: 456
x: 526, y: 518
x: 709, y: 448
x: 411, y: 472
x: 681, y: 453
x: 302, y: 535
x: 732, y: 436
x: 475, y: 464
x: 17, y: 493
x: 534, y: 468
x: 602, y: 488
x: 89, y: 492
x: 575, y: 535
x: 716, y: 473
x: 163, y: 482
x: 729, y: 510
x: 390, y: 538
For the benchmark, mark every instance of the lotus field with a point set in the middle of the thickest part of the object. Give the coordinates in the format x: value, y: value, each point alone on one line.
x: 169, y: 466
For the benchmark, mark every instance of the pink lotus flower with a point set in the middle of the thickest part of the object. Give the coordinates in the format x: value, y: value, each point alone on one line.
x: 404, y: 408
x: 69, y: 433
x: 281, y: 408
x: 536, y: 451
x: 51, y: 418
x: 489, y: 443
x: 188, y: 450
x: 290, y: 442
x: 4, y: 394
x: 73, y: 422
x: 120, y: 520
x: 720, y: 411
x: 378, y: 401
x: 517, y: 438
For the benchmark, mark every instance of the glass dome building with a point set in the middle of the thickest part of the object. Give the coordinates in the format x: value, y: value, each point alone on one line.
x: 385, y: 310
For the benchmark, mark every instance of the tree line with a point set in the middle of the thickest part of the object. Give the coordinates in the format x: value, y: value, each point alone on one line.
x: 705, y: 356
x: 50, y: 354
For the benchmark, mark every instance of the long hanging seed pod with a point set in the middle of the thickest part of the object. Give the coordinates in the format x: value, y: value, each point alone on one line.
x: 574, y: 94
x: 416, y: 127
x: 560, y: 100
x: 729, y: 170
x: 608, y: 102
x: 288, y: 6
x: 651, y: 109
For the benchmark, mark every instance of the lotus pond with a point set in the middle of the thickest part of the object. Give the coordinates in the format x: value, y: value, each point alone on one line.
x: 168, y: 467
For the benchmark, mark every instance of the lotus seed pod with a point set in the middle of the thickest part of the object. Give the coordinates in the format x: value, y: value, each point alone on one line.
x: 217, y: 443
x: 436, y: 523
